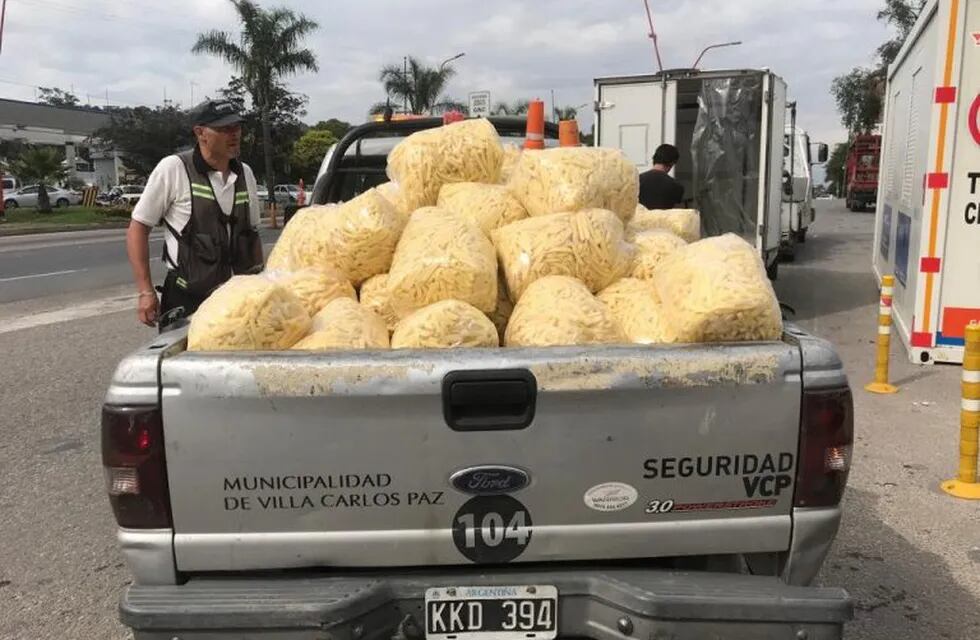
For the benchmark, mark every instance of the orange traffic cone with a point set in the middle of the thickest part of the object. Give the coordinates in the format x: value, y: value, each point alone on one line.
x: 568, y: 133
x: 535, y: 125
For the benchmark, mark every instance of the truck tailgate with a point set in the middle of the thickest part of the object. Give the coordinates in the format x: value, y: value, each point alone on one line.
x: 279, y: 460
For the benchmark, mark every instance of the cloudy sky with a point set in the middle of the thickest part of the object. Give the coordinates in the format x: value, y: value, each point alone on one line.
x: 137, y: 50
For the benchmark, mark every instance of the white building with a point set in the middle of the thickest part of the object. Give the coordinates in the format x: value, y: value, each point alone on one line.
x: 65, y: 127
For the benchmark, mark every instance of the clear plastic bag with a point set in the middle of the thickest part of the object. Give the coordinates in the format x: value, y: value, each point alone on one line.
x: 467, y: 151
x: 512, y: 155
x: 637, y: 307
x: 345, y: 324
x: 716, y: 290
x: 587, y: 245
x: 375, y: 296
x: 489, y: 206
x: 248, y: 313
x: 501, y: 315
x: 442, y: 257
x: 651, y: 248
x: 357, y: 237
x: 390, y: 192
x: 444, y: 325
x: 302, y: 226
x: 559, y: 310
x: 314, y: 287
x: 684, y: 223
x: 576, y: 178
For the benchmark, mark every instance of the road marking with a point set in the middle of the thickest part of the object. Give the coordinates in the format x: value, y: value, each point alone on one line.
x: 104, y: 306
x: 43, y: 275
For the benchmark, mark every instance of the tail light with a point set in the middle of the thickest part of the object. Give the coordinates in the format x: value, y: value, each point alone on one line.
x: 826, y: 445
x: 135, y: 466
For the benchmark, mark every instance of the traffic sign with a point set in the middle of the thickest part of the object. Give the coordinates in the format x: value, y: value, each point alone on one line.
x: 479, y: 104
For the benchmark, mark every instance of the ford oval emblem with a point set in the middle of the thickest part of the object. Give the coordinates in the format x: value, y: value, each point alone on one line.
x: 489, y: 480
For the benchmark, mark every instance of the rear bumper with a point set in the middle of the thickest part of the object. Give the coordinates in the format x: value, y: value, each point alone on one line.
x: 593, y: 603
x: 863, y: 197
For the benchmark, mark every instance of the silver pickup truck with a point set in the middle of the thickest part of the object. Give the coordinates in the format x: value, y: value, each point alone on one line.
x: 670, y: 492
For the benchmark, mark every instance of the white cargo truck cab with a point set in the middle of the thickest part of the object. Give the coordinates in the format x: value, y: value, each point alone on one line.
x: 927, y: 220
x: 798, y: 160
x: 728, y: 126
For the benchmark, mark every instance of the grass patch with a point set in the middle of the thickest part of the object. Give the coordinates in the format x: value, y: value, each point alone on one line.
x: 67, y: 216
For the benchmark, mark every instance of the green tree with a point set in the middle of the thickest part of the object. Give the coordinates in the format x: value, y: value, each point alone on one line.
x: 566, y: 113
x: 146, y: 134
x: 902, y: 15
x: 418, y: 86
x: 835, y: 168
x: 41, y: 165
x: 309, y: 150
x: 57, y: 97
x: 285, y: 126
x: 516, y: 108
x: 337, y: 127
x: 268, y: 49
x: 860, y: 94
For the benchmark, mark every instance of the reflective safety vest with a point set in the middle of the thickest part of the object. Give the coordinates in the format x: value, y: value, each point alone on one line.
x: 214, y: 245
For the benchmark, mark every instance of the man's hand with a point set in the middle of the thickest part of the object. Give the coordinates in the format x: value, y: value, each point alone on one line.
x: 148, y: 308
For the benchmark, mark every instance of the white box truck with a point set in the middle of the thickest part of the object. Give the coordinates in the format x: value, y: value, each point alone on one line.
x: 798, y: 159
x: 927, y: 221
x: 728, y: 126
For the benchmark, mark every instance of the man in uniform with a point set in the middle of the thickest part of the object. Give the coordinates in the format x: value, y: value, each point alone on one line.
x: 658, y: 190
x: 207, y: 202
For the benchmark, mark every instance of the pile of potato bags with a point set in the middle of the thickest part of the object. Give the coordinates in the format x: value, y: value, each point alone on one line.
x: 472, y: 244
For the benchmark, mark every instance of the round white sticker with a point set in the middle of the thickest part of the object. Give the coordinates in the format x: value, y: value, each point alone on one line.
x: 610, y: 496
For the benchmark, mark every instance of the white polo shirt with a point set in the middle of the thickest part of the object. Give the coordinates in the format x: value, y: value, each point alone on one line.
x: 167, y: 197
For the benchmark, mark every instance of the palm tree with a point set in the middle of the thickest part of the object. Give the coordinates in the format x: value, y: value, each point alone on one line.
x: 418, y: 86
x: 268, y: 49
x: 566, y: 113
x: 516, y: 108
x: 43, y: 166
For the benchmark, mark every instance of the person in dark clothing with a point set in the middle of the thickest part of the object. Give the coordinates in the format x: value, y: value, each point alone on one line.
x: 658, y: 190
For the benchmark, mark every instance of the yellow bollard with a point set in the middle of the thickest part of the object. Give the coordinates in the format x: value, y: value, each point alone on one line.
x: 880, y: 385
x: 965, y: 484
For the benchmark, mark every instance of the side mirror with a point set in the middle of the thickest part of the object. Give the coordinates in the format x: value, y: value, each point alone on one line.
x: 822, y: 153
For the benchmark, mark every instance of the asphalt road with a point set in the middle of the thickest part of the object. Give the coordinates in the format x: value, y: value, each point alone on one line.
x: 909, y: 555
x: 37, y: 266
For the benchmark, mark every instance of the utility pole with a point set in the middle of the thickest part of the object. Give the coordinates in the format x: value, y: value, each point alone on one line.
x: 405, y: 78
x: 3, y: 18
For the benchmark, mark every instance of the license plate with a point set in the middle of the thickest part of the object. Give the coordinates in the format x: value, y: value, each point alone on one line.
x: 503, y: 613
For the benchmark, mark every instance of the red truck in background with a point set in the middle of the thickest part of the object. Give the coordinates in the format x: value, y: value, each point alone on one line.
x: 862, y: 171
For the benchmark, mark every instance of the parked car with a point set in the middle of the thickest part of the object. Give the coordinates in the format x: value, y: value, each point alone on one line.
x: 128, y: 194
x: 27, y: 197
x: 262, y: 192
x: 286, y: 193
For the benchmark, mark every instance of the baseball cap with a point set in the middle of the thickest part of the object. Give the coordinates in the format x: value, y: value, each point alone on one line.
x: 215, y: 113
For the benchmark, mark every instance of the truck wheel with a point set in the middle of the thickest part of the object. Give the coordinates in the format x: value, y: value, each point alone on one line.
x: 772, y: 270
x: 10, y: 204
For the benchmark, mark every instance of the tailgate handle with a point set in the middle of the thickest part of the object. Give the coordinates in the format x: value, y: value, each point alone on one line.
x: 493, y: 400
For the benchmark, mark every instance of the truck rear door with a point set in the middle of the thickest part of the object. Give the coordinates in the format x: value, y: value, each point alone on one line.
x: 771, y: 162
x: 402, y: 458
x: 635, y: 116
